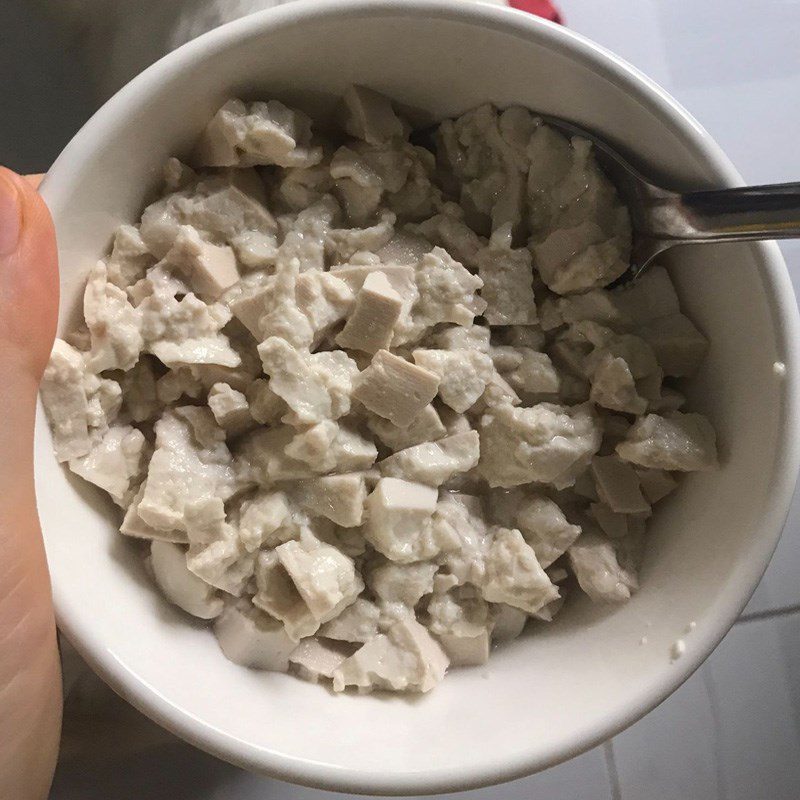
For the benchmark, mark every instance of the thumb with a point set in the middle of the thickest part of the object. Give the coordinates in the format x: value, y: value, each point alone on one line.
x: 30, y: 688
x: 28, y: 277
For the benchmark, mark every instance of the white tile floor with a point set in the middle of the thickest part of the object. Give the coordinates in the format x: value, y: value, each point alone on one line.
x: 733, y: 730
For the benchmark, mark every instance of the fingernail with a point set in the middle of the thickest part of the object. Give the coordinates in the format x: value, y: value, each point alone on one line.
x: 10, y: 216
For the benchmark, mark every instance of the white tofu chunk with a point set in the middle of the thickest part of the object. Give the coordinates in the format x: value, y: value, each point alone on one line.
x: 265, y: 406
x: 545, y: 528
x: 216, y: 554
x: 613, y: 386
x: 377, y: 308
x: 114, y: 324
x: 180, y: 586
x: 509, y: 622
x: 459, y: 522
x: 190, y: 461
x: 247, y: 134
x: 656, y: 484
x: 344, y: 243
x: 456, y: 337
x: 325, y: 578
x: 359, y: 622
x: 526, y: 370
x: 264, y: 450
x: 448, y: 230
x: 315, y: 386
x: 278, y: 596
x: 598, y: 571
x: 597, y: 305
x: 401, y: 583
x: 64, y: 399
x: 613, y: 524
x: 507, y: 277
x: 426, y: 427
x: 463, y: 374
x: 252, y: 639
x: 514, y: 575
x: 261, y: 516
x: 314, y: 659
x: 332, y: 447
x: 114, y: 463
x: 395, y: 389
x: 618, y: 485
x: 210, y: 269
x: 545, y: 443
x: 138, y: 385
x: 368, y: 115
x: 230, y: 409
x: 398, y: 520
x: 434, y: 463
x: 674, y: 442
x: 129, y: 257
x: 463, y: 627
x: 135, y: 527
x: 407, y: 658
x: 447, y: 293
x: 340, y: 498
x: 679, y: 347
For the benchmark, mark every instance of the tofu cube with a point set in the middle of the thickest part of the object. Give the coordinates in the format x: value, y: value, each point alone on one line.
x: 252, y: 639
x: 377, y: 308
x: 434, y: 463
x: 340, y: 498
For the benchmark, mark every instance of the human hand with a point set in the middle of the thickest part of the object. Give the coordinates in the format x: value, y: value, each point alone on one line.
x: 30, y: 678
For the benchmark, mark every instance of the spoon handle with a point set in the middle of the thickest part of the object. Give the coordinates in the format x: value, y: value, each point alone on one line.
x: 724, y: 215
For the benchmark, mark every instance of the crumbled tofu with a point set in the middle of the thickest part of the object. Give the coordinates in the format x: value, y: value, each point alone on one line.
x: 215, y: 206
x: 64, y: 398
x: 463, y: 374
x: 210, y: 269
x: 190, y: 461
x: 509, y: 622
x: 507, y: 277
x: 463, y: 627
x: 377, y: 308
x: 545, y: 528
x: 216, y: 554
x: 114, y: 324
x: 545, y: 444
x: 179, y: 585
x: 359, y: 622
x: 406, y: 658
x: 371, y: 404
x: 398, y: 520
x: 261, y: 516
x: 368, y: 115
x: 426, y: 426
x: 598, y: 572
x: 401, y: 583
x: 313, y: 658
x: 340, y: 498
x: 395, y: 389
x: 243, y: 135
x: 315, y: 386
x: 230, y: 409
x: 249, y: 637
x: 114, y: 462
x: 434, y: 463
x: 680, y: 442
x: 618, y: 485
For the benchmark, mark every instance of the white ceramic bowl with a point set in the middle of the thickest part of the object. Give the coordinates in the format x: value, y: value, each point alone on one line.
x: 557, y: 691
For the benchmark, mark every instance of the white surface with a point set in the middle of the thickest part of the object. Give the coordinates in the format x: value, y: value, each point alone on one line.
x: 752, y: 682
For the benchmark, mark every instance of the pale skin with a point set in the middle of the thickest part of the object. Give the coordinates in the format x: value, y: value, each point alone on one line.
x: 30, y: 675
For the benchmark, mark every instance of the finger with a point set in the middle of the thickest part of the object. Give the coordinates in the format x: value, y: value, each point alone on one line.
x: 30, y: 690
x: 34, y: 180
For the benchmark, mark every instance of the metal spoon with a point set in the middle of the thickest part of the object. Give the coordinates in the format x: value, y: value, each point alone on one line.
x: 661, y: 219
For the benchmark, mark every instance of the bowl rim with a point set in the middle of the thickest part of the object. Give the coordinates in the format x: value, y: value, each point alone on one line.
x: 56, y: 189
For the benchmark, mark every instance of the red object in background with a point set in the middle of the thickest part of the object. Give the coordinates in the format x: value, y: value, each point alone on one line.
x: 542, y: 8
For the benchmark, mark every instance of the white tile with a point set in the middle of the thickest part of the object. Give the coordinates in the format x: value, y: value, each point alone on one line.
x: 670, y: 754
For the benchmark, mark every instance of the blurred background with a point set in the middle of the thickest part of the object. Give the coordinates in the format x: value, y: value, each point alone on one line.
x: 733, y: 731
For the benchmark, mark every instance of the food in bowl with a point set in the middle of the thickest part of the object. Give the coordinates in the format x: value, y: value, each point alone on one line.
x: 372, y: 408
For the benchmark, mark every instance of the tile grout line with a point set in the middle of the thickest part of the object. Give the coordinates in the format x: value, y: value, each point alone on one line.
x: 611, y: 767
x: 714, y: 704
x: 783, y: 611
